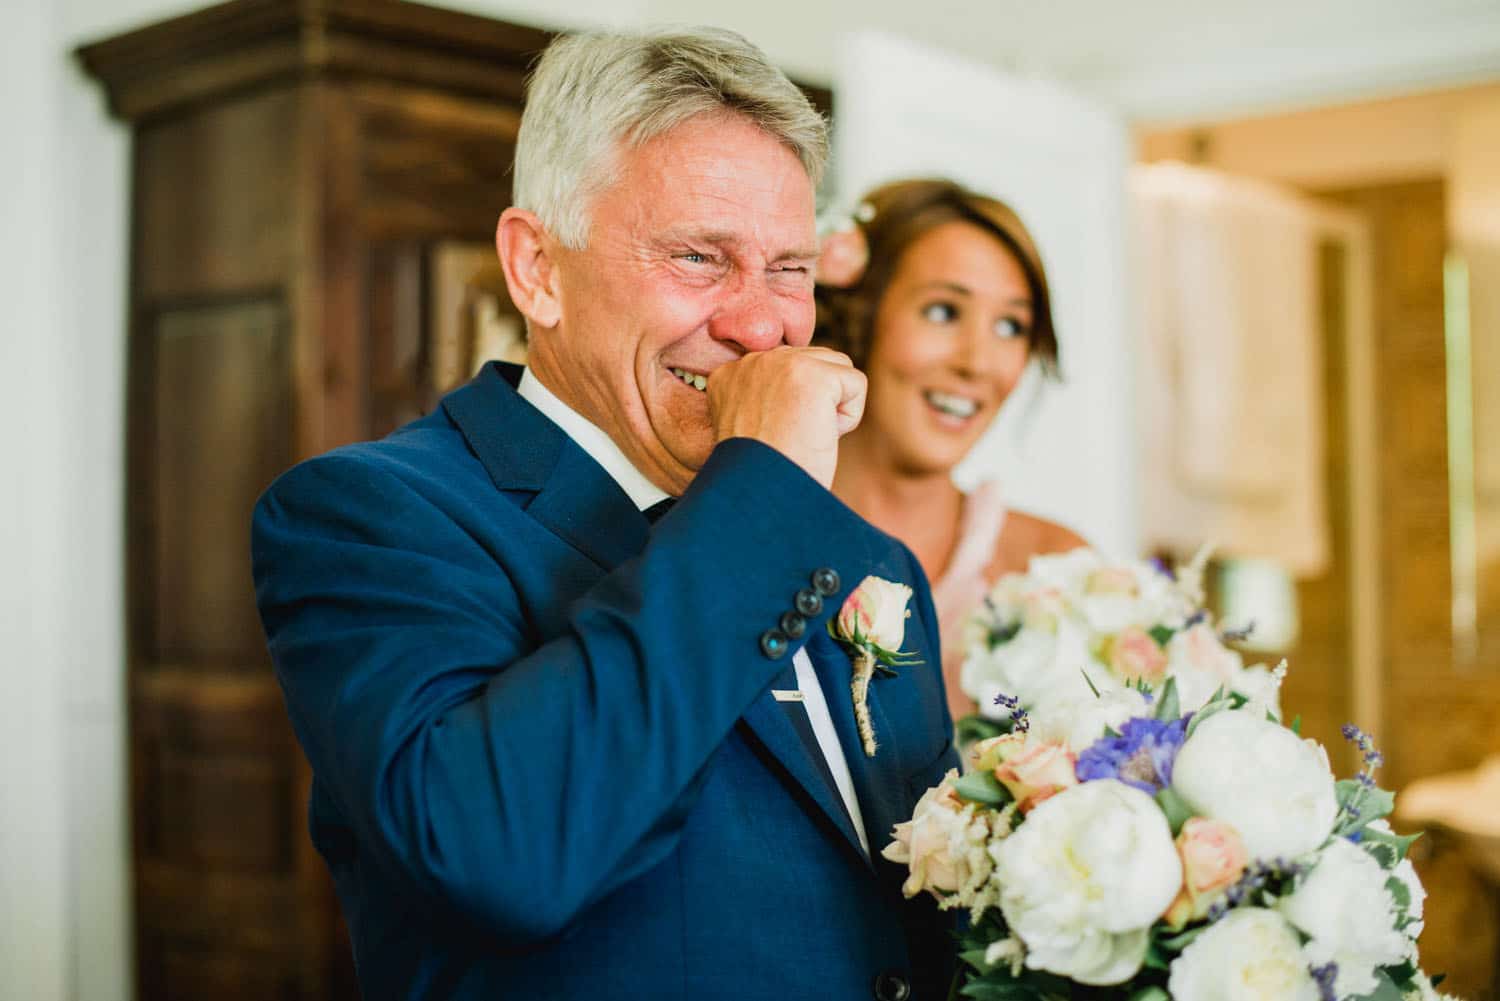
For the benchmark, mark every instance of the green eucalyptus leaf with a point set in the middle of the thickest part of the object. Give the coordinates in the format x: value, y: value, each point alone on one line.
x: 1215, y: 705
x: 1168, y: 706
x: 1368, y: 803
x: 1151, y: 993
x: 1385, y: 989
x: 1175, y: 807
x: 1400, y: 843
x: 982, y: 787
x: 1400, y: 893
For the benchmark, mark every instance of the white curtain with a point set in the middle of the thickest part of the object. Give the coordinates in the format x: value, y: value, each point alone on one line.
x: 1229, y: 368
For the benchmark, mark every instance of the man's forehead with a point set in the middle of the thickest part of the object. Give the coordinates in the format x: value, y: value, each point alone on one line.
x: 722, y: 180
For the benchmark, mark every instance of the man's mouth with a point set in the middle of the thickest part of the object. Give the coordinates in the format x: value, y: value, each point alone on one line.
x: 960, y: 407
x: 693, y: 379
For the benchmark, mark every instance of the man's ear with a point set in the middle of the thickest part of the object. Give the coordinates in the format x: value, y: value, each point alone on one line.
x: 528, y: 259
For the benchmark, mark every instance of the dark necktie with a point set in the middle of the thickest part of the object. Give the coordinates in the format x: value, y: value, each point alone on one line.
x: 655, y: 511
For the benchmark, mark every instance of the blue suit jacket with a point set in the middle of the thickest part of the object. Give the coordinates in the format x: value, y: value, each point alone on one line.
x: 546, y: 760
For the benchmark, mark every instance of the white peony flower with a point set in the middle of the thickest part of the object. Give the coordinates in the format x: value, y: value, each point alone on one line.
x: 1034, y: 662
x: 1078, y: 719
x: 1344, y: 907
x: 1262, y: 779
x: 1084, y: 878
x: 1250, y: 954
x: 1201, y: 664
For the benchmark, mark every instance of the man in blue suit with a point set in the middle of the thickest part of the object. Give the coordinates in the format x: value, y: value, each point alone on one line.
x: 564, y: 746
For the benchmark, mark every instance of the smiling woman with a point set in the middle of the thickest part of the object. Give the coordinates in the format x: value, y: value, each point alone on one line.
x: 940, y: 297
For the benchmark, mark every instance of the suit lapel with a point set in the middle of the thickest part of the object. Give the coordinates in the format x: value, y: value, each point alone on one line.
x: 879, y: 781
x: 768, y: 724
x: 524, y: 451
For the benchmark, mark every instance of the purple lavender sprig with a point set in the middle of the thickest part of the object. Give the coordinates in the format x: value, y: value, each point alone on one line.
x: 1370, y: 758
x: 1260, y: 875
x: 1239, y: 635
x: 1020, y: 722
x: 1326, y: 976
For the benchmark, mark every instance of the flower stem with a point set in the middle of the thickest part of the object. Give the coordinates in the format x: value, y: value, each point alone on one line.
x: 864, y: 669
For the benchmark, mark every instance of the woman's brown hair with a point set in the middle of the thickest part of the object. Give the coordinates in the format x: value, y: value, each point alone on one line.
x: 892, y: 217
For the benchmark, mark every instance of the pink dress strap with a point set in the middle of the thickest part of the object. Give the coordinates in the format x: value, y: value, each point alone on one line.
x: 963, y: 584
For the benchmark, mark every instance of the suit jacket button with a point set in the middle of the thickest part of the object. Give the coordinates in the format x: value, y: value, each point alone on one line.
x: 891, y: 986
x: 808, y: 602
x: 793, y: 625
x: 773, y: 643
x: 825, y: 581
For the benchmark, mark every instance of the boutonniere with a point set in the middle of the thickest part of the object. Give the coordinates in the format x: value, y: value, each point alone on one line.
x: 872, y: 626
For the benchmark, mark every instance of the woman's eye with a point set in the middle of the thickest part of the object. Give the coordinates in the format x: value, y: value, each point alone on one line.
x: 1008, y: 327
x: 939, y: 312
x: 693, y: 258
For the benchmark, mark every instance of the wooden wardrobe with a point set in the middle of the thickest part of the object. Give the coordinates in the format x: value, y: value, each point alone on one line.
x: 299, y: 169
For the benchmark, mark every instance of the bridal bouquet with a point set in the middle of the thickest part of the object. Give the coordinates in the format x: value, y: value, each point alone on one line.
x: 1075, y: 626
x: 1197, y: 855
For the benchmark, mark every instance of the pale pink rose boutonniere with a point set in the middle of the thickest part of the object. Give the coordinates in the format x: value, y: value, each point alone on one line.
x: 872, y: 627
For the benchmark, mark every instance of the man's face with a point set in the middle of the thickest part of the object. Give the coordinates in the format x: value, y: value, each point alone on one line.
x: 701, y: 252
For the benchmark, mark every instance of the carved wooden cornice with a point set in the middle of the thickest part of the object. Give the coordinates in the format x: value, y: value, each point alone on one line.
x: 248, y: 44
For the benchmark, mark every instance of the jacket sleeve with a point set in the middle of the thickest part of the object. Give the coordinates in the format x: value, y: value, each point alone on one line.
x: 520, y: 783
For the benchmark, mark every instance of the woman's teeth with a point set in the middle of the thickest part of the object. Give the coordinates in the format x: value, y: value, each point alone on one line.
x: 698, y: 382
x: 953, y: 406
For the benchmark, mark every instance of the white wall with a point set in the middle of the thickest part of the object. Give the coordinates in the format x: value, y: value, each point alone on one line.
x: 33, y: 856
x: 63, y: 846
x: 64, y: 929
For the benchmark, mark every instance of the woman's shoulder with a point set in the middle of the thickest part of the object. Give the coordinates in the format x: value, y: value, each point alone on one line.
x: 1027, y: 535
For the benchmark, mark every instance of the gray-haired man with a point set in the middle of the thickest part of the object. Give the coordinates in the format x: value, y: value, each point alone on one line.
x: 566, y: 747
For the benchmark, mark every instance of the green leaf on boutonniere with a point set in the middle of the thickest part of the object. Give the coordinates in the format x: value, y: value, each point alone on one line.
x: 1162, y: 634
x: 982, y: 787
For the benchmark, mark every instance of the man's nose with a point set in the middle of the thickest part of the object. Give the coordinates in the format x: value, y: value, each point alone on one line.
x: 749, y: 318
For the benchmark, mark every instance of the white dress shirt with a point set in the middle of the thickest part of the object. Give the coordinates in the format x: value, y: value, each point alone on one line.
x: 643, y: 493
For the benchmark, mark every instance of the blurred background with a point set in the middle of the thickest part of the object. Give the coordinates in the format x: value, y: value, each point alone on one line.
x: 240, y: 235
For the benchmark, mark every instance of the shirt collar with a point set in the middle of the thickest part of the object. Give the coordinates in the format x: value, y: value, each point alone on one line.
x: 589, y: 437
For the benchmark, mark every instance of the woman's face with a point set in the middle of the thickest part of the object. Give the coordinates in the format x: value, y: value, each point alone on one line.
x: 950, y: 343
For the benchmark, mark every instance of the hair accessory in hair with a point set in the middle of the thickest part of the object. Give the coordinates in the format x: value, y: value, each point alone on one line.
x: 844, y: 252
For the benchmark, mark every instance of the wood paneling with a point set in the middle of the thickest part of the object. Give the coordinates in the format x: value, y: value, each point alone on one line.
x: 1439, y: 718
x: 220, y: 435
